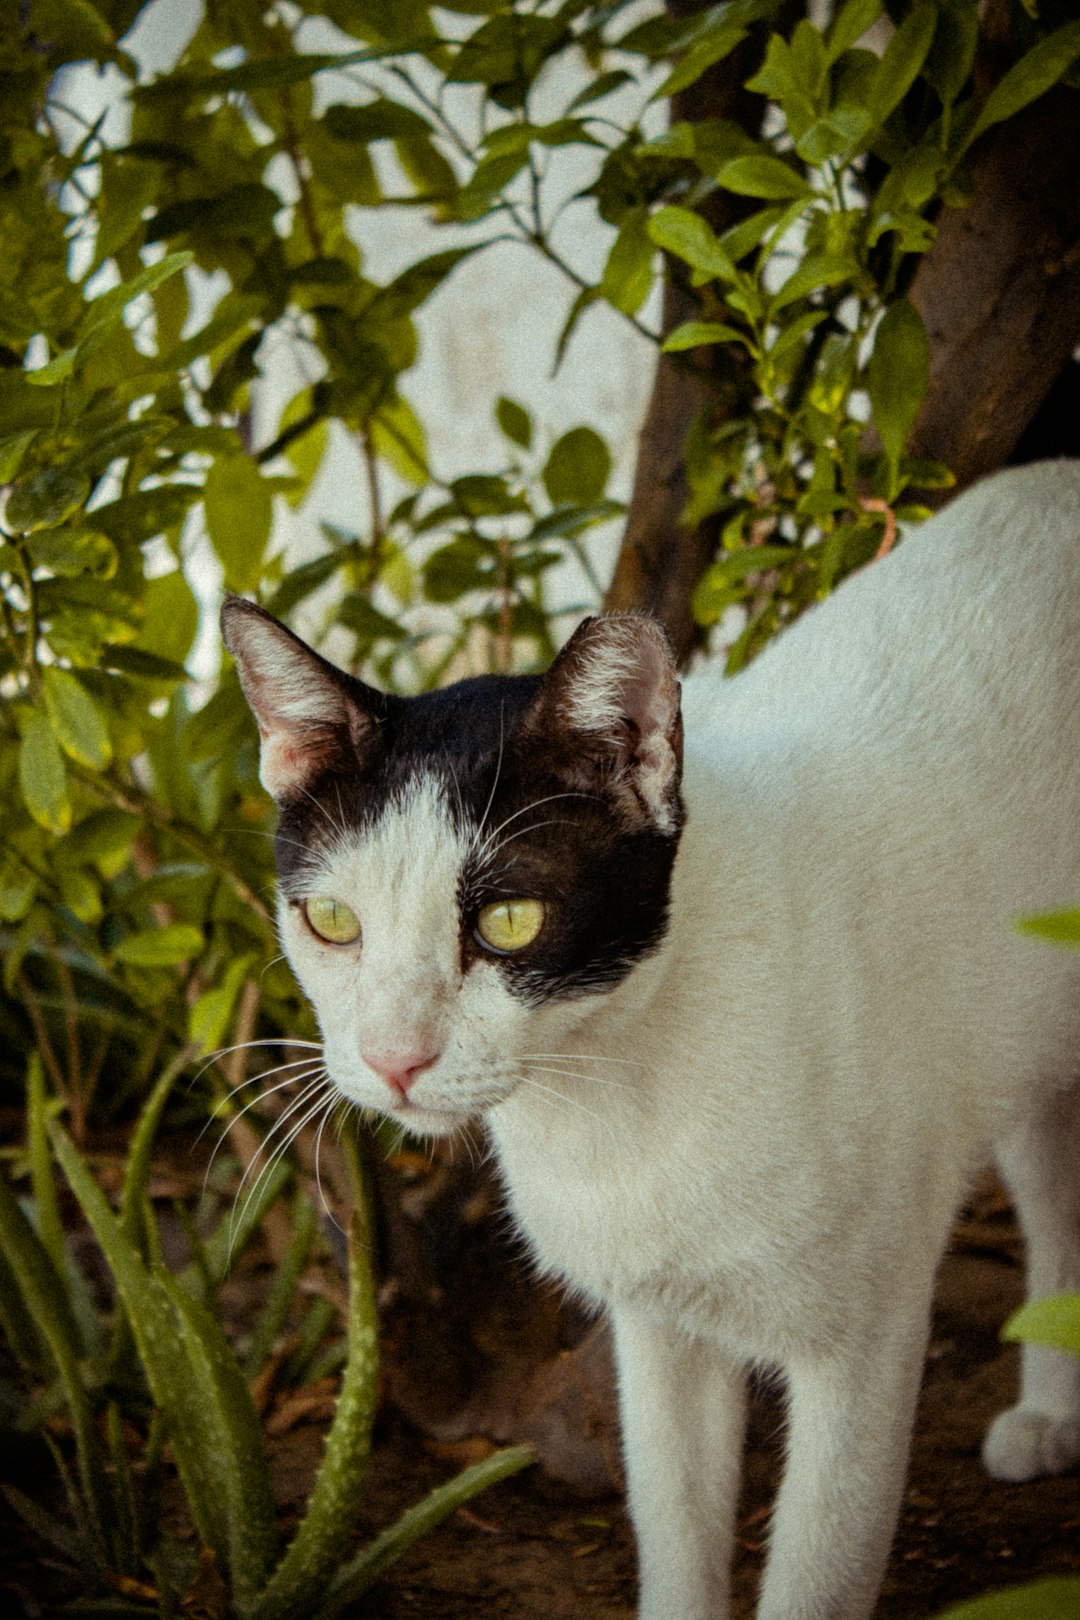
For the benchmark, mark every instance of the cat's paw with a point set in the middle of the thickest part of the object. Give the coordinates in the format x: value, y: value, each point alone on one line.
x: 1023, y: 1444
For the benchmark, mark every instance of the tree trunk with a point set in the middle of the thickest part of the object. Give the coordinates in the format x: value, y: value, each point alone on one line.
x: 999, y: 291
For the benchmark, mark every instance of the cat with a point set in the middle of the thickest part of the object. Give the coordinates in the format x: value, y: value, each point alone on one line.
x: 741, y: 1025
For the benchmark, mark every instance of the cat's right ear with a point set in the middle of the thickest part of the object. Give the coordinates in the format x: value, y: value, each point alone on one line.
x: 309, y: 720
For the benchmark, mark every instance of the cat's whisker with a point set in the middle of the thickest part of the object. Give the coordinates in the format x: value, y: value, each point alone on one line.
x: 310, y: 1082
x: 290, y: 1080
x: 254, y: 1080
x: 264, y: 1074
x: 579, y: 1057
x: 521, y: 833
x: 246, y: 1046
x: 577, y: 1074
x: 457, y: 785
x: 329, y: 1112
x: 341, y: 830
x: 282, y: 1148
x: 494, y: 786
x: 560, y: 1097
x: 483, y: 848
x: 549, y: 798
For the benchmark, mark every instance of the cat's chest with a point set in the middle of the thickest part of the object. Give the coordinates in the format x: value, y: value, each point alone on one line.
x: 621, y: 1223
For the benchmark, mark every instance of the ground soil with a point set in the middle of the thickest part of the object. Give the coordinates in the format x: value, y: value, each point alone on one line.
x: 534, y: 1550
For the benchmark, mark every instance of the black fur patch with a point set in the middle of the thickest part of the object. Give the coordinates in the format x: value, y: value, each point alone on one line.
x: 535, y: 832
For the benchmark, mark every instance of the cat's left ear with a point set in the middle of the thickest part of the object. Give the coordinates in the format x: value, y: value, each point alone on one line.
x: 312, y: 718
x: 614, y: 689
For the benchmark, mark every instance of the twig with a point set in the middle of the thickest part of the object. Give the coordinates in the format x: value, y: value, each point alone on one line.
x: 134, y: 802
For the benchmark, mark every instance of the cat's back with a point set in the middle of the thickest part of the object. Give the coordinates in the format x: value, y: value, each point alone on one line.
x: 974, y: 616
x: 896, y: 781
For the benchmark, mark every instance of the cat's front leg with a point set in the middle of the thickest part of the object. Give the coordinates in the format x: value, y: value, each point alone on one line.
x: 850, y: 1417
x: 683, y: 1407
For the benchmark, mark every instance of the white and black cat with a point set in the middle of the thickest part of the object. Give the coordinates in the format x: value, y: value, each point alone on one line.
x: 741, y: 1027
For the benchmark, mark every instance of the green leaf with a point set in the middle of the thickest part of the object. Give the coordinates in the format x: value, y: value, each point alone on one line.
x: 76, y: 720
x: 480, y: 495
x: 209, y: 1017
x: 587, y: 296
x: 759, y: 175
x: 820, y: 270
x: 1030, y: 78
x: 1062, y: 927
x: 239, y: 514
x: 161, y: 947
x: 465, y: 564
x: 952, y: 56
x: 42, y: 776
x: 693, y: 334
x: 104, y: 311
x: 716, y: 44
x: 18, y: 888
x: 901, y: 60
x: 12, y: 450
x: 171, y: 617
x: 46, y: 1298
x: 378, y: 120
x: 849, y: 25
x: 577, y: 470
x: 269, y: 73
x: 514, y: 421
x: 691, y: 238
x: 1055, y: 1599
x: 298, y: 584
x: 134, y: 519
x: 141, y: 1147
x: 70, y: 551
x: 47, y: 1209
x: 303, y: 1222
x: 1054, y: 1320
x: 898, y: 376
x: 596, y: 89
x: 305, y: 437
x: 44, y: 499
x: 397, y: 435
x: 628, y: 274
x: 416, y: 284
x: 142, y: 665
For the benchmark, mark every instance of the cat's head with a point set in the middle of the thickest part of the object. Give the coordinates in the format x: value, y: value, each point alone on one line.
x: 462, y: 874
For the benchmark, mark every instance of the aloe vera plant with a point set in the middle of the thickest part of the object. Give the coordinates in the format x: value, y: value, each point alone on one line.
x: 202, y: 1404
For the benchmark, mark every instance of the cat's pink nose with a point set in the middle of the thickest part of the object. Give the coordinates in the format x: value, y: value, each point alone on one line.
x: 400, y: 1069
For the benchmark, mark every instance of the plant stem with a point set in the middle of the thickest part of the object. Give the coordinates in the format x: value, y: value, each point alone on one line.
x: 135, y: 802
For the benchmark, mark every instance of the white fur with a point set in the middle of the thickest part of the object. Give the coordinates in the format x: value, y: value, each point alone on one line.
x: 758, y: 1144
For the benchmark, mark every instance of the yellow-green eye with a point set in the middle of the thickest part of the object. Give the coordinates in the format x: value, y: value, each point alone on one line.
x: 331, y: 920
x: 510, y: 925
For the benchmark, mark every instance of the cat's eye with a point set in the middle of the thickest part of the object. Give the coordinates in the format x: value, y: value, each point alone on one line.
x: 510, y: 925
x: 332, y: 920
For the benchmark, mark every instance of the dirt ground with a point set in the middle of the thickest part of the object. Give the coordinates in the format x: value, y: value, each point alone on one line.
x: 534, y: 1550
